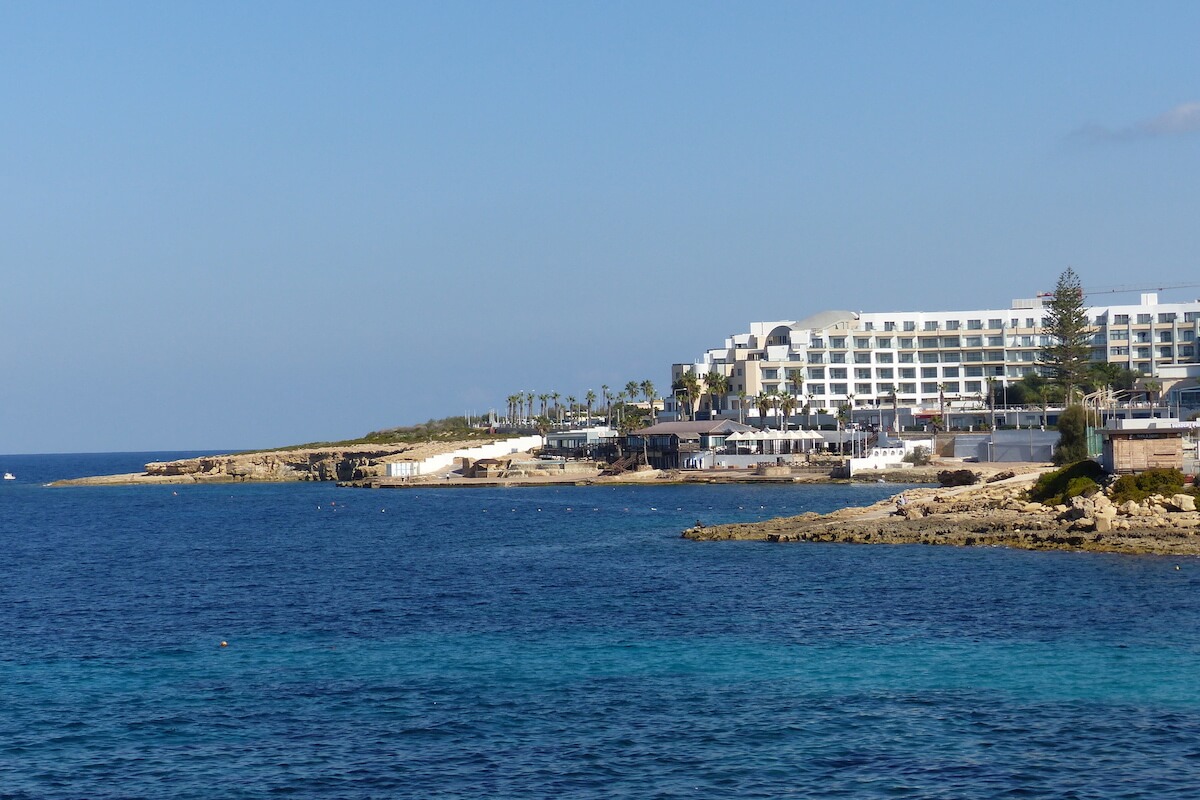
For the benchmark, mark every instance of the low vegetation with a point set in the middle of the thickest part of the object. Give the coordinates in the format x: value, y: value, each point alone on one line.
x: 1058, y: 487
x: 449, y: 429
x: 1165, y: 482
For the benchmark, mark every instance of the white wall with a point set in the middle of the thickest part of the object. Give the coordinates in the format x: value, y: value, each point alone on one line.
x: 446, y: 460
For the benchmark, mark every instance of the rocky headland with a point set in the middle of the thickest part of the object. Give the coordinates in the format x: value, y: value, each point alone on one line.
x: 356, y: 462
x: 990, y: 514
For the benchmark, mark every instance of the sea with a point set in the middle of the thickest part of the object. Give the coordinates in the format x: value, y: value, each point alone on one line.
x: 304, y: 640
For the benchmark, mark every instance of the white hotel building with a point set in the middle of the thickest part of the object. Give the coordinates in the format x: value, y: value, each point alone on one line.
x: 862, y: 358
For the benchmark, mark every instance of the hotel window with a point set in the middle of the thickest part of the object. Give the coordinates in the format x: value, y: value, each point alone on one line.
x: 929, y: 342
x: 837, y: 388
x: 995, y: 324
x: 974, y: 324
x: 951, y: 341
x: 1185, y: 351
x: 884, y: 341
x: 889, y: 326
x: 951, y: 358
x: 952, y: 325
x: 862, y: 388
x: 771, y: 374
x: 973, y: 372
x: 1142, y: 337
x: 1118, y: 351
x: 950, y: 388
x: 906, y: 343
x: 908, y: 388
x: 1121, y: 319
x: 909, y: 325
x: 884, y: 372
x: 862, y: 374
x: 1164, y: 352
x: 1045, y: 322
x: 1187, y: 336
x: 973, y: 341
x: 908, y: 372
x: 1029, y: 322
x: 1028, y: 355
x: 931, y: 325
x: 905, y: 358
x: 929, y: 388
x: 883, y: 358
x: 868, y: 326
x: 816, y: 358
x: 1165, y: 336
x: 837, y: 358
x: 837, y: 373
x: 818, y: 344
x: 1015, y: 323
x: 974, y: 386
x: 1191, y: 316
x: 1099, y: 320
x: 862, y: 343
x: 1143, y: 319
x: 816, y: 373
x: 837, y: 342
x: 862, y: 358
x: 1142, y: 366
x: 995, y: 341
x: 1116, y: 335
x: 950, y: 372
x: 1166, y: 317
x: 1143, y: 352
x: 973, y: 355
x: 929, y: 372
x: 887, y: 388
x: 929, y: 358
x: 816, y: 388
x: 1026, y: 341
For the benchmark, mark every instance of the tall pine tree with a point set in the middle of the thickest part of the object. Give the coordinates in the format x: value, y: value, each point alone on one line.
x: 1067, y: 357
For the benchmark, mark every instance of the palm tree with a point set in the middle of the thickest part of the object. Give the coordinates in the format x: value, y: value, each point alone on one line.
x: 512, y: 408
x: 649, y: 393
x: 607, y: 405
x: 554, y: 396
x: 788, y: 405
x: 941, y: 387
x: 1152, y: 390
x: 763, y: 404
x: 808, y: 401
x: 796, y: 381
x: 691, y: 391
x: 543, y: 398
x: 590, y: 397
x: 895, y: 410
x: 529, y: 398
x: 571, y: 408
x: 742, y: 406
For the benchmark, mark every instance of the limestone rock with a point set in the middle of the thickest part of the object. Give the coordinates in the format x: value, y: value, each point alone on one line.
x: 1182, y: 502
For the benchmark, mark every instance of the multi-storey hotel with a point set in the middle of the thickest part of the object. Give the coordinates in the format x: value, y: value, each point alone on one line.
x: 952, y: 357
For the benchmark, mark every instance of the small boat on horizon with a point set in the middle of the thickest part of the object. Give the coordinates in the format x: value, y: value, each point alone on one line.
x: 8, y: 476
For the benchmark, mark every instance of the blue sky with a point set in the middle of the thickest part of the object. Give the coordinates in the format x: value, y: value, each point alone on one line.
x: 238, y: 225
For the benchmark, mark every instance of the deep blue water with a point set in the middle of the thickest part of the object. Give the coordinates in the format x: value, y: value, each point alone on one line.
x: 565, y: 642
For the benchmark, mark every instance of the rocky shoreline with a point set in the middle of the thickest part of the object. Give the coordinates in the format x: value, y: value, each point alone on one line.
x: 996, y: 514
x: 345, y: 463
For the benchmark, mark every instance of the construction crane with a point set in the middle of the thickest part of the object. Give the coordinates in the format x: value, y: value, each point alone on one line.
x: 1133, y: 289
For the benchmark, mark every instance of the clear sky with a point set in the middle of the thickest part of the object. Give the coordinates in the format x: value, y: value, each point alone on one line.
x: 250, y: 224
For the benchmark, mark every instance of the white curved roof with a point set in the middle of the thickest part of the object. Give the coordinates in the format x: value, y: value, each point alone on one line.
x: 824, y: 319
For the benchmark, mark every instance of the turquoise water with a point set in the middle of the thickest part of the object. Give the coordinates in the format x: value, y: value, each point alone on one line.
x: 566, y: 642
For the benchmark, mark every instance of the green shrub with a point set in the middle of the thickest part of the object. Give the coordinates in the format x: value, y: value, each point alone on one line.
x: 1059, y: 486
x: 919, y: 456
x: 1153, y: 481
x: 1072, y: 436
